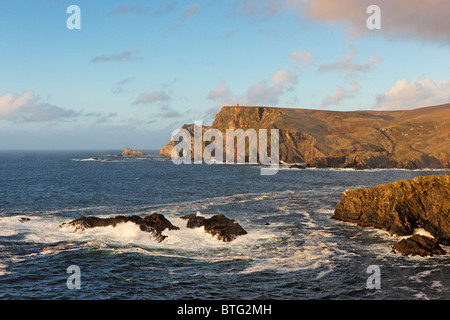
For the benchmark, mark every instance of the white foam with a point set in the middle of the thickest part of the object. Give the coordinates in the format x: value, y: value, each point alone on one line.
x: 422, y: 232
x: 265, y: 247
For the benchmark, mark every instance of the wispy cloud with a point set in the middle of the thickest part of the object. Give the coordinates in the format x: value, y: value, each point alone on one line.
x: 341, y: 94
x: 119, y: 86
x: 302, y: 58
x: 167, y: 112
x: 125, y: 10
x: 423, y: 20
x: 414, y: 19
x: 149, y: 98
x: 100, y: 117
x: 165, y: 8
x: 191, y: 11
x: 348, y: 66
x: 124, y: 56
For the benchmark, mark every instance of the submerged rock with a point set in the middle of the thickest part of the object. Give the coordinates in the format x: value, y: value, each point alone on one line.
x: 154, y: 223
x: 418, y: 245
x: 225, y: 228
x: 133, y: 153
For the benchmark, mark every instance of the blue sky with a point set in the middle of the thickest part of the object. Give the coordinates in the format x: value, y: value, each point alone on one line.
x: 137, y: 70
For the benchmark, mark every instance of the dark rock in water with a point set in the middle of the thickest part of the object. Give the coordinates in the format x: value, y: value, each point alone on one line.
x: 22, y: 220
x: 154, y: 223
x: 297, y: 166
x: 225, y: 228
x: 194, y: 221
x: 402, y: 206
x: 418, y: 245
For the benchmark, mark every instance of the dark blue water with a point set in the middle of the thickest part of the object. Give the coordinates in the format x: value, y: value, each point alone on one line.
x: 293, y: 250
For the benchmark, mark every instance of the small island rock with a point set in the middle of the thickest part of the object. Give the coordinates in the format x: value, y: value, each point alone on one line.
x: 131, y: 153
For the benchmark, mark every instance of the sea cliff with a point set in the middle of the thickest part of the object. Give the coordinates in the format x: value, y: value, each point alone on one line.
x: 410, y: 139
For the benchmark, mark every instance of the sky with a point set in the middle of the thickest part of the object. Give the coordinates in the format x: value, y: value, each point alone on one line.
x: 137, y: 70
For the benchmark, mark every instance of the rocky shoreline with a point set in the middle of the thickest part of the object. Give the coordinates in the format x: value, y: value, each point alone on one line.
x: 401, y: 208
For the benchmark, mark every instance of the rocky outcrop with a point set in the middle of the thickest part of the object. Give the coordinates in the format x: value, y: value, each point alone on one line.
x: 409, y: 139
x: 131, y: 153
x: 224, y: 228
x: 154, y: 223
x: 418, y: 245
x: 401, y: 207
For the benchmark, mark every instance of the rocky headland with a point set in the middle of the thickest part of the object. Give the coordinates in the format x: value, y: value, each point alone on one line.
x: 409, y: 139
x: 401, y: 208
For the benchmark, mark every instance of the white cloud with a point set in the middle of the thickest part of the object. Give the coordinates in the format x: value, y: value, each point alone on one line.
x: 417, y: 93
x: 26, y: 107
x: 341, y: 94
x: 222, y: 91
x: 282, y: 78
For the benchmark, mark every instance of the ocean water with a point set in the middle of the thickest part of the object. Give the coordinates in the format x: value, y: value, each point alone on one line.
x: 292, y: 251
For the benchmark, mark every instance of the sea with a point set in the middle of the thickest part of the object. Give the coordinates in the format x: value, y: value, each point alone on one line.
x: 293, y: 250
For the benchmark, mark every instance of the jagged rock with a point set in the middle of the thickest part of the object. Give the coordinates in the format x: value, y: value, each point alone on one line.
x: 402, y: 206
x: 418, y: 245
x: 226, y: 229
x: 131, y: 153
x: 154, y: 223
x: 409, y: 139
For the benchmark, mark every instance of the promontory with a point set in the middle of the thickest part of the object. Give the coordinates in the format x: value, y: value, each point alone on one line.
x: 409, y: 139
